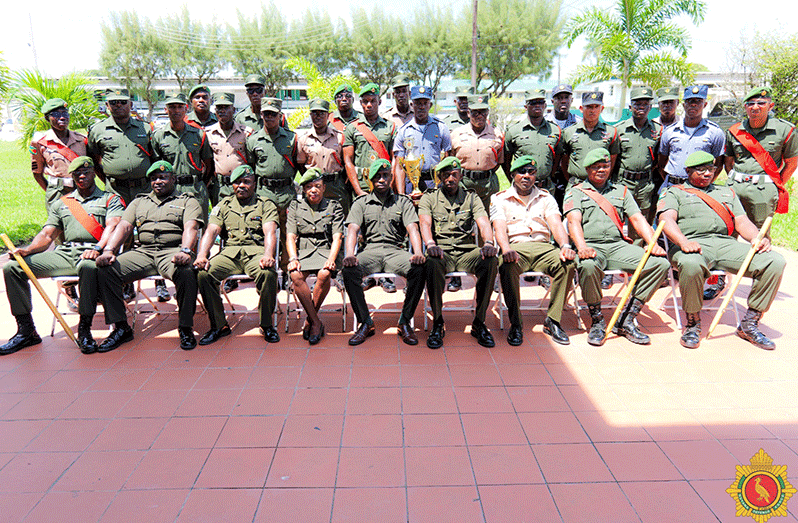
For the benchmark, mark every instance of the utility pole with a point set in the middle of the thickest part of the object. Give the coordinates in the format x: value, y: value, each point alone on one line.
x: 474, y: 31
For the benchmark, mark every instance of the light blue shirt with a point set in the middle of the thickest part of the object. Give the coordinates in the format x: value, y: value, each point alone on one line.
x: 428, y: 139
x: 677, y: 144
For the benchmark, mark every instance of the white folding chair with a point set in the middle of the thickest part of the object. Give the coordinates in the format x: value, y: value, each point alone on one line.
x: 298, y: 309
x: 471, y: 308
x: 537, y: 305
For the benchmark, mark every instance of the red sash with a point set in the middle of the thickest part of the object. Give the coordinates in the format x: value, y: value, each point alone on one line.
x: 88, y: 221
x: 765, y: 161
x: 65, y: 151
x: 377, y: 145
x: 608, y: 208
x: 724, y: 213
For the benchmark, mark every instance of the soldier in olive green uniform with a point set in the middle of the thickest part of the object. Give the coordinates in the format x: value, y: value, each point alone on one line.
x: 384, y: 218
x: 344, y: 113
x: 702, y: 240
x: 186, y: 148
x: 757, y: 190
x: 447, y: 216
x: 200, y: 99
x: 460, y: 116
x: 638, y: 138
x: 250, y: 223
x: 167, y: 222
x: 101, y: 212
x: 537, y: 137
x: 251, y: 116
x: 601, y: 244
x: 589, y: 134
x: 121, y: 148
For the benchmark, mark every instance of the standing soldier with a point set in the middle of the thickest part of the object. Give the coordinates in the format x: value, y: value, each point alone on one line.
x: 402, y: 111
x: 667, y: 100
x: 344, y: 112
x: 200, y: 99
x: 227, y: 139
x: 562, y: 97
x: 591, y: 133
x: 537, y: 137
x: 460, y: 116
x: 52, y: 151
x: 251, y: 116
x: 320, y: 147
x: 480, y: 149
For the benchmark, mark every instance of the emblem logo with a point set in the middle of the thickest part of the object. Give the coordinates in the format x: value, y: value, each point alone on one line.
x: 764, y: 93
x: 593, y: 96
x: 695, y: 90
x: 422, y: 90
x: 761, y: 489
x: 162, y: 168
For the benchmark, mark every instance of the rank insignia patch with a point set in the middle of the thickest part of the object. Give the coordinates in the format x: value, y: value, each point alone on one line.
x: 761, y: 489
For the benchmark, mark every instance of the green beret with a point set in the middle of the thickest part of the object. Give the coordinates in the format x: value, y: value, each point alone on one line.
x: 400, y: 80
x: 175, y: 98
x: 756, y: 92
x: 198, y: 88
x: 224, y: 98
x: 160, y: 166
x: 535, y: 94
x: 463, y: 91
x: 341, y: 89
x: 117, y: 94
x: 80, y: 162
x: 478, y: 101
x: 448, y: 163
x: 241, y: 171
x: 378, y: 164
x: 311, y: 175
x: 641, y: 93
x: 274, y: 105
x: 317, y: 104
x: 522, y: 161
x: 665, y: 94
x: 595, y: 156
x: 370, y: 88
x: 698, y: 158
x: 254, y: 79
x: 52, y: 104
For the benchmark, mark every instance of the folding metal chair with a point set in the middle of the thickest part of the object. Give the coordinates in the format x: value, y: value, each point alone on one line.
x: 538, y: 305
x: 298, y: 309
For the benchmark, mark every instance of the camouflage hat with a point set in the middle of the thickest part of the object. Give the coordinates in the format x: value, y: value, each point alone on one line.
x: 696, y: 91
x: 521, y: 161
x: 175, y: 98
x: 535, y: 94
x: 420, y: 91
x: 117, y: 94
x: 463, y: 91
x: 592, y: 98
x: 311, y: 175
x: 596, y: 155
x: 197, y: 89
x: 81, y: 162
x: 377, y: 165
x: 255, y: 79
x: 400, y: 80
x: 665, y: 94
x: 447, y: 164
x: 370, y: 88
x: 562, y: 88
x: 52, y: 104
x: 274, y: 105
x: 161, y: 166
x: 641, y: 93
x: 698, y: 158
x: 224, y: 98
x: 756, y: 92
x: 317, y: 104
x: 478, y: 101
x: 343, y: 88
x: 241, y: 171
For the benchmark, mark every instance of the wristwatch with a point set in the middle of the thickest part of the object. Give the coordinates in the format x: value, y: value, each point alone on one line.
x: 187, y: 251
x: 97, y: 248
x: 566, y: 246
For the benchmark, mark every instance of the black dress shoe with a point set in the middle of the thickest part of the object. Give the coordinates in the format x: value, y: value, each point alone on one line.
x: 271, y: 335
x: 19, y: 341
x: 187, y: 339
x: 516, y: 335
x: 405, y: 331
x: 364, y: 331
x: 306, y: 331
x: 214, y: 335
x: 388, y: 285
x: 435, y: 338
x: 87, y: 344
x: 117, y: 337
x: 553, y: 329
x: 313, y: 339
x: 161, y: 291
x: 482, y: 334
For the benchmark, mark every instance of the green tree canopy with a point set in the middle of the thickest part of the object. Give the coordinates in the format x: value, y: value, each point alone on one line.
x: 375, y: 47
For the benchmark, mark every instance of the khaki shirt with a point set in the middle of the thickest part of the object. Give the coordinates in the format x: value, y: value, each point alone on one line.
x: 695, y: 218
x: 638, y: 147
x: 383, y: 222
x: 481, y: 152
x: 577, y: 142
x: 453, y: 219
x: 320, y: 151
x: 543, y: 143
x: 597, y: 226
x: 249, y: 118
x: 243, y: 221
x: 228, y: 149
x: 124, y: 151
x: 777, y: 137
x: 364, y: 154
x: 398, y: 119
x: 46, y: 155
x: 188, y: 150
x: 100, y: 205
x: 526, y: 222
x: 160, y: 222
x: 192, y: 118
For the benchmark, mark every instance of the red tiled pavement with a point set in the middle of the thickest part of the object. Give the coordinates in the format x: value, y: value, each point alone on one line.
x: 383, y: 432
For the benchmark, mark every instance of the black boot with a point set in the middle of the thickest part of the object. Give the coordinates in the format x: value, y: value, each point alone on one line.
x: 72, y: 295
x: 85, y: 339
x: 749, y: 330
x: 691, y: 337
x: 714, y: 289
x: 161, y: 291
x: 25, y: 337
x: 596, y: 335
x: 627, y: 324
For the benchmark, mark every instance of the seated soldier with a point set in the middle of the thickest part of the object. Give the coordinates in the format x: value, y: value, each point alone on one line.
x: 524, y: 219
x: 447, y: 216
x: 595, y: 210
x: 250, y: 223
x: 700, y: 221
x: 384, y: 217
x: 168, y: 223
x: 315, y: 230
x: 88, y: 217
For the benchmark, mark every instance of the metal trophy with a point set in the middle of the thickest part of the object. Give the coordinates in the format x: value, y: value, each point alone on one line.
x: 411, y: 164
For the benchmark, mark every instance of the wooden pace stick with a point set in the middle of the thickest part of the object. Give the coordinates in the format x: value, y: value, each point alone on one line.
x: 38, y: 286
x: 739, y: 276
x: 634, y: 278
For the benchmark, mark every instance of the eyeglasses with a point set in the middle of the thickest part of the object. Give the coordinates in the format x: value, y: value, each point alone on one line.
x: 756, y: 103
x: 527, y: 170
x: 704, y: 168
x: 117, y: 102
x: 254, y: 90
x: 58, y: 114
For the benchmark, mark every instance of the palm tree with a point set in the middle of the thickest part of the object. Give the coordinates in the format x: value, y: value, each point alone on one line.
x: 29, y: 90
x: 633, y: 41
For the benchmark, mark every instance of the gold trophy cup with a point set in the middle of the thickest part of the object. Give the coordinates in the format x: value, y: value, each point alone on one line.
x: 412, y: 167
